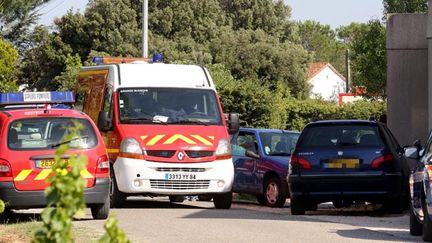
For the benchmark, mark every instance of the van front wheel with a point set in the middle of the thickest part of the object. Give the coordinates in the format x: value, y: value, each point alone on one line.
x: 117, y: 198
x: 222, y: 201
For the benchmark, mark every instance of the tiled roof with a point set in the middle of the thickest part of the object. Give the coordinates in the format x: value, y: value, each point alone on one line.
x: 317, y: 67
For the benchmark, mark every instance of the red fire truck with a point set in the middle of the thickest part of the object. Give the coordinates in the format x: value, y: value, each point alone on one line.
x: 164, y: 129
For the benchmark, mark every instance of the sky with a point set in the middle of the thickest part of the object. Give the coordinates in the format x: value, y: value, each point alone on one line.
x: 335, y: 13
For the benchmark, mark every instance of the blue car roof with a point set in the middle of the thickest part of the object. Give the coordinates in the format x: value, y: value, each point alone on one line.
x: 342, y: 122
x: 249, y: 129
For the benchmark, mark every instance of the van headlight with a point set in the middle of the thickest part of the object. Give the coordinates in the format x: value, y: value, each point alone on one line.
x: 131, y: 146
x: 223, y: 150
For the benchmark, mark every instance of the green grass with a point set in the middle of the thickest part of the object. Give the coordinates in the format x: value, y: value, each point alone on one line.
x: 244, y: 197
x: 23, y: 232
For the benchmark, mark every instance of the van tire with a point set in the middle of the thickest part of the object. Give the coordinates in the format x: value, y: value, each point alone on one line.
x: 223, y: 201
x: 117, y: 198
x: 101, y: 211
x: 274, y: 186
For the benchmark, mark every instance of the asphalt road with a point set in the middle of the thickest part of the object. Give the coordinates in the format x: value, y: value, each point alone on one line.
x: 156, y: 220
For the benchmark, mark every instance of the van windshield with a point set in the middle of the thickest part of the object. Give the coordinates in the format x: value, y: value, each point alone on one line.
x: 168, y: 106
x: 47, y: 133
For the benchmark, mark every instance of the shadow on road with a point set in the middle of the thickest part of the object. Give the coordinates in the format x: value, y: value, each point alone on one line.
x: 12, y: 217
x: 382, y: 235
x: 370, y: 223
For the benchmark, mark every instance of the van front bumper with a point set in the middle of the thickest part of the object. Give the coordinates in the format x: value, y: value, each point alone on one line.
x: 135, y: 176
x: 16, y: 199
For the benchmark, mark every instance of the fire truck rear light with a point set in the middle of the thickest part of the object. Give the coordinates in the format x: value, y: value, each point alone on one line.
x: 298, y: 161
x: 5, y: 169
x: 103, y: 165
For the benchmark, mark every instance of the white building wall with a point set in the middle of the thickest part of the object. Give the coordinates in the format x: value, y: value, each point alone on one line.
x: 327, y: 85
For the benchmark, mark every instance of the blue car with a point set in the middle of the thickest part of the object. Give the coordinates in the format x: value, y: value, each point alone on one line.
x: 261, y: 159
x: 420, y: 187
x: 346, y: 161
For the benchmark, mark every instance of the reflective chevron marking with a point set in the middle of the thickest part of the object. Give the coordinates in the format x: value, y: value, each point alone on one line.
x: 174, y: 138
x: 154, y: 140
x: 86, y: 175
x: 203, y: 140
x: 43, y: 174
x: 22, y: 175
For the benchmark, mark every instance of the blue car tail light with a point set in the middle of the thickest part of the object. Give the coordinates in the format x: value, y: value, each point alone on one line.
x: 299, y: 161
x: 378, y: 161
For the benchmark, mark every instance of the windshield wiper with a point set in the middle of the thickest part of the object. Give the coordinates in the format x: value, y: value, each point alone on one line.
x: 189, y: 122
x: 67, y: 141
x: 142, y: 119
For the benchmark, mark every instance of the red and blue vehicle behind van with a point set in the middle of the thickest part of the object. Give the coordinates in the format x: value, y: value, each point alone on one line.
x: 261, y: 158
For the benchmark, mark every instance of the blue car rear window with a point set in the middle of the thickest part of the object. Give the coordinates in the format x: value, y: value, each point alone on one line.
x: 341, y: 135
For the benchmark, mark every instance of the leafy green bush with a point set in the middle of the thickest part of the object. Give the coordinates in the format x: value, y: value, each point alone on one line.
x: 363, y: 109
x: 65, y: 195
x: 113, y: 233
x: 2, y: 206
x: 65, y: 198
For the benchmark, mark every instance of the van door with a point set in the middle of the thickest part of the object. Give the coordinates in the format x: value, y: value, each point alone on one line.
x: 90, y: 90
x: 244, y: 166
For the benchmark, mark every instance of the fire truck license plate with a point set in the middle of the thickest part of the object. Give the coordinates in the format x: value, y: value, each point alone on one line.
x: 171, y: 176
x: 45, y: 163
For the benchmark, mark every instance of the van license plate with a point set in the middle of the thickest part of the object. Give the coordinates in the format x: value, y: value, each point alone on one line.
x: 172, y: 176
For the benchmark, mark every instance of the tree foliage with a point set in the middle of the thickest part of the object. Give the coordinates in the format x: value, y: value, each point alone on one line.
x: 405, y: 6
x: 254, y: 55
x: 8, y: 67
x: 67, y: 79
x: 320, y: 40
x: 43, y: 62
x: 203, y: 32
x: 16, y: 17
x: 369, y: 63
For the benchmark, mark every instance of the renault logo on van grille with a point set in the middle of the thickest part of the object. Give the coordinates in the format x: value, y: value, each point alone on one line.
x: 180, y: 155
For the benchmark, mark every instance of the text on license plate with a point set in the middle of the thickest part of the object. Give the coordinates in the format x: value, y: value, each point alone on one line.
x: 45, y: 163
x: 342, y: 163
x: 172, y: 176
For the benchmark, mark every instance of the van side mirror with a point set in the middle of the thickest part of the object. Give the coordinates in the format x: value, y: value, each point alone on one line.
x: 104, y: 122
x: 412, y: 152
x: 233, y: 123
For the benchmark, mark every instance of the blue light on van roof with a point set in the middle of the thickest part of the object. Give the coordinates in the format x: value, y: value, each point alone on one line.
x: 98, y: 60
x: 158, y: 57
x: 52, y: 97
